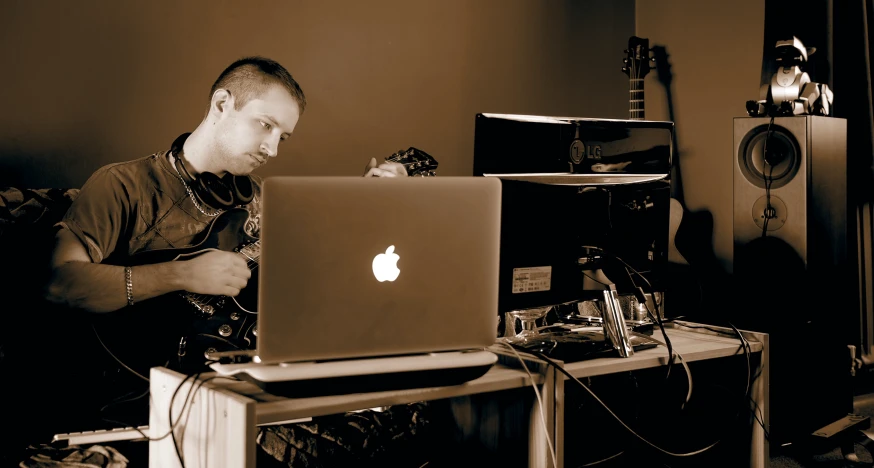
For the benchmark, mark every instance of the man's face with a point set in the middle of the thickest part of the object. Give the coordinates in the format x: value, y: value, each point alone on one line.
x: 248, y: 137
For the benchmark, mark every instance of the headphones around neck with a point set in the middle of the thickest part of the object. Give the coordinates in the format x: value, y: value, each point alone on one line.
x: 218, y: 192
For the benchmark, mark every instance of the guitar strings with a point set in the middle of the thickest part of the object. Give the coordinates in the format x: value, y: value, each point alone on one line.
x: 635, y: 74
x: 251, y: 263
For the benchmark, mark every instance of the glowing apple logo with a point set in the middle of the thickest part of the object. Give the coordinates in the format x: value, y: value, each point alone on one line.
x: 385, y: 265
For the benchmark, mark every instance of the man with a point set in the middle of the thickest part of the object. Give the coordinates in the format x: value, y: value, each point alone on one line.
x: 168, y: 201
x: 126, y: 208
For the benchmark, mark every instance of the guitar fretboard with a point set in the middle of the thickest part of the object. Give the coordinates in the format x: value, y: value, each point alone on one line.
x: 636, y: 99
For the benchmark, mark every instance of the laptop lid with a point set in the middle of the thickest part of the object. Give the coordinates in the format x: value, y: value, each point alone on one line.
x: 360, y: 267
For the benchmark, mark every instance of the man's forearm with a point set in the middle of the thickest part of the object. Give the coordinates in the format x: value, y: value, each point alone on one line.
x: 102, y: 288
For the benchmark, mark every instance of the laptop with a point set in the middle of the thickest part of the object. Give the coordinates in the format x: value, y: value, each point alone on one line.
x: 364, y: 276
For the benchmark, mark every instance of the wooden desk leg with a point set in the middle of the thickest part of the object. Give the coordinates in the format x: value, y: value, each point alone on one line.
x: 217, y: 428
x: 558, y: 408
x: 760, y: 451
x: 538, y: 447
x: 760, y: 455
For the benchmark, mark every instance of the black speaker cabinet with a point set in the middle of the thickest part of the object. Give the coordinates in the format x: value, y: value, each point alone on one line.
x: 791, y: 271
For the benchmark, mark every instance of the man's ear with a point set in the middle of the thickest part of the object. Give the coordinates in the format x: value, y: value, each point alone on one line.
x: 221, y: 102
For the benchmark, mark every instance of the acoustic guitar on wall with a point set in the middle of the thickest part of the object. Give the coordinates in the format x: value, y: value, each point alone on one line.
x: 637, y: 64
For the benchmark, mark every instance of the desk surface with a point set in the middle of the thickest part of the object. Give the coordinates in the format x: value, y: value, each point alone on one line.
x: 692, y: 345
x: 272, y: 408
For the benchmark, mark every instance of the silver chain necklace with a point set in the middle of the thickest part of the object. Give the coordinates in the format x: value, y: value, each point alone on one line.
x: 191, y: 194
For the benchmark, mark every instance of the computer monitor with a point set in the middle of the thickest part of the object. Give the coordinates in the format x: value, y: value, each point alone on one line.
x: 548, y: 217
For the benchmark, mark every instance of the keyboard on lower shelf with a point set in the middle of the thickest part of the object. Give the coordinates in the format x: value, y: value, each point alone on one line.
x: 103, y: 435
x: 131, y: 433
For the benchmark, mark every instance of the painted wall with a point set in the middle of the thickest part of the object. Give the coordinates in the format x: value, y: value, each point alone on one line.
x: 92, y: 82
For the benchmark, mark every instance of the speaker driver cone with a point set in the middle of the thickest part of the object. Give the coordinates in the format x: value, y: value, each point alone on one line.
x: 782, y: 160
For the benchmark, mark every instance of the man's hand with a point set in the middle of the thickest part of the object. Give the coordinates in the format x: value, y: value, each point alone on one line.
x: 386, y: 169
x: 217, y: 273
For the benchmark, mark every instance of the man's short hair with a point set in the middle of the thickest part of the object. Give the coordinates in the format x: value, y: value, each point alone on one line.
x: 249, y: 77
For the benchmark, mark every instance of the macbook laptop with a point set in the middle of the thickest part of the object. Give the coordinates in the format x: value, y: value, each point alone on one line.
x: 393, y: 276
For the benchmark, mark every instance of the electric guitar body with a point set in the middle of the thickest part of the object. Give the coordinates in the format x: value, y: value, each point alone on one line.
x: 177, y: 329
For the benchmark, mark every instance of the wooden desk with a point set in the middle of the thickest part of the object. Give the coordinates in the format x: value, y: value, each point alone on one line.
x: 221, y: 423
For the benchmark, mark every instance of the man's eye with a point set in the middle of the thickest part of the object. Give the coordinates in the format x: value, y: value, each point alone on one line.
x: 265, y: 125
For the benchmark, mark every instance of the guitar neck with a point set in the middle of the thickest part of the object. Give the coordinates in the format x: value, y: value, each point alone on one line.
x: 636, y: 99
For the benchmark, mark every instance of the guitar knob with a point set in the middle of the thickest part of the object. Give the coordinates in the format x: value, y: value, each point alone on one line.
x: 235, y: 316
x: 208, y: 352
x: 208, y: 310
x: 225, y: 330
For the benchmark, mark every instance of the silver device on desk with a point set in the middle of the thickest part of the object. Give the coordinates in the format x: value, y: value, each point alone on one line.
x: 615, y: 328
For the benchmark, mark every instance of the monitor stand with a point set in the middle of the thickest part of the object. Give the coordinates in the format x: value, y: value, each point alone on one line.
x: 346, y: 376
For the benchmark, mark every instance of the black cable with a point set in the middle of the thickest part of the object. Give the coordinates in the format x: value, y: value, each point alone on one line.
x: 769, y: 210
x: 123, y: 399
x: 603, y: 460
x: 172, y: 426
x: 549, y: 361
x: 571, y: 377
x: 182, y: 413
x: 769, y: 179
x: 747, y: 347
x: 97, y: 334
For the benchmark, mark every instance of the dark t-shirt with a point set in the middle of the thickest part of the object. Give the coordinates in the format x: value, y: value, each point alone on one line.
x: 131, y: 207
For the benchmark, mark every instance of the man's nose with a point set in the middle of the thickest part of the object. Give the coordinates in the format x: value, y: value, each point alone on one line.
x: 268, y: 149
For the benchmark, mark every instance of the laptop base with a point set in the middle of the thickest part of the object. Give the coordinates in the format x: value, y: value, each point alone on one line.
x: 347, y: 376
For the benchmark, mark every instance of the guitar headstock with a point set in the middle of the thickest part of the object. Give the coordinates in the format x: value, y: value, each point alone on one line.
x: 637, y: 61
x: 417, y: 162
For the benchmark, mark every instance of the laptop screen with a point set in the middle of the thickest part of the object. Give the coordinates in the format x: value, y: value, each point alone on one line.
x: 357, y: 267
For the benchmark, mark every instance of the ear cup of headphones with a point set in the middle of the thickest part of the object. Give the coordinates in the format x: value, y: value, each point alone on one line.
x: 181, y: 169
x: 214, y: 191
x: 225, y: 192
x: 242, y: 187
